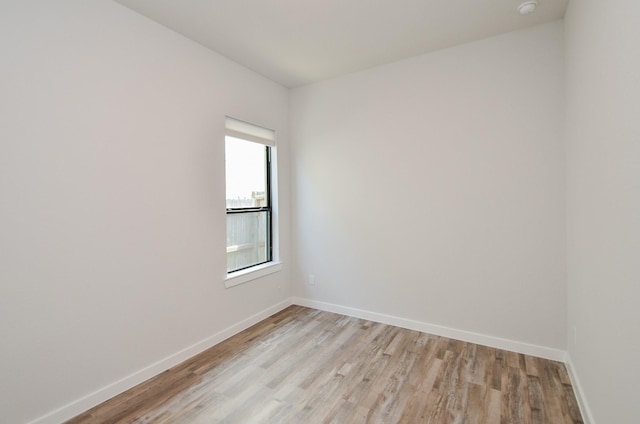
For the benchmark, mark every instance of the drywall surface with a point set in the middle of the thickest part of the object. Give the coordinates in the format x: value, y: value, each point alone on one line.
x: 603, y: 216
x: 112, y: 219
x: 432, y: 189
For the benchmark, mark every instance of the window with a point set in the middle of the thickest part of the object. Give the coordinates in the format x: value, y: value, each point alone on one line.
x: 248, y: 168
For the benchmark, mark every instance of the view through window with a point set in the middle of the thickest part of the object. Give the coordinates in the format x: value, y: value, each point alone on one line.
x: 249, y: 214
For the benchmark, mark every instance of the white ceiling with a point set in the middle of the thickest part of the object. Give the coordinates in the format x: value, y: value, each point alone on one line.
x: 296, y: 42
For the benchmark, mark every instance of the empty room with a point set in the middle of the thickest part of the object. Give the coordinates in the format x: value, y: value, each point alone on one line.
x: 340, y: 211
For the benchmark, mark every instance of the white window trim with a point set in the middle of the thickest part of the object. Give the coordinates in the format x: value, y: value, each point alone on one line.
x: 262, y: 135
x: 245, y: 275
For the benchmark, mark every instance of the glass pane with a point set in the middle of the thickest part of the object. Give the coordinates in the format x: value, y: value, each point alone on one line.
x: 246, y: 177
x: 246, y: 239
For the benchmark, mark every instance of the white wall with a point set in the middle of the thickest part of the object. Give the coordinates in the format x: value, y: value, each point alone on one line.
x: 603, y: 186
x: 423, y: 188
x: 112, y: 222
x: 432, y: 189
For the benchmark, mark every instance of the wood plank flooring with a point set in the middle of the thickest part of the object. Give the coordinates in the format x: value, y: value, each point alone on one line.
x: 307, y: 366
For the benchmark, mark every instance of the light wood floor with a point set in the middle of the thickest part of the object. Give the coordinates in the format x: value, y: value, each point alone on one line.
x: 307, y: 366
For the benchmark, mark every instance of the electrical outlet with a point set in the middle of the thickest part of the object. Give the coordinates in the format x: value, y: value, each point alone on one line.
x: 312, y: 280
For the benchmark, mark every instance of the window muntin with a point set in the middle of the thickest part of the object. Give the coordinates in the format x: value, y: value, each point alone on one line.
x: 248, y: 202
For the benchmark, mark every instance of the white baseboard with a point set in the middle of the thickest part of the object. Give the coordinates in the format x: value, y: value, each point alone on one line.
x: 587, y: 416
x: 438, y: 330
x: 89, y: 401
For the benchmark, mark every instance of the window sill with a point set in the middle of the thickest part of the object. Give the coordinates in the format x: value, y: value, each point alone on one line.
x: 240, y: 277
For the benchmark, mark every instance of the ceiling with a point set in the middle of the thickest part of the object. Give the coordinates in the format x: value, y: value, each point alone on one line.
x: 297, y: 42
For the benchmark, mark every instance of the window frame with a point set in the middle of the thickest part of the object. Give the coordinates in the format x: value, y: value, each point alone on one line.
x: 246, y: 131
x: 268, y: 210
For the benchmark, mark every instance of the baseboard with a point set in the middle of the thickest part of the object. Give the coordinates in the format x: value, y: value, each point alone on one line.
x: 89, y: 401
x: 587, y: 416
x: 438, y: 330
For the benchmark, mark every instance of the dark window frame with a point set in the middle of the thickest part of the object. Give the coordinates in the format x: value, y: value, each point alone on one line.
x: 268, y: 210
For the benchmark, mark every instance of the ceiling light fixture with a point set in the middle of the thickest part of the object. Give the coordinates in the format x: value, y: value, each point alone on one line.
x: 527, y: 7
